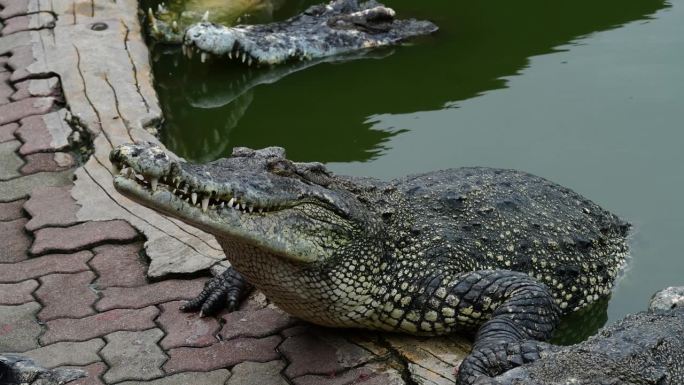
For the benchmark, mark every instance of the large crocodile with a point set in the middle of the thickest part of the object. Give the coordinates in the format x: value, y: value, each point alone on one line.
x: 500, y: 252
x: 340, y: 27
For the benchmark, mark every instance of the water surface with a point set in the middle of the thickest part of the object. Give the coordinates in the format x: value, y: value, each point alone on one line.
x: 589, y: 94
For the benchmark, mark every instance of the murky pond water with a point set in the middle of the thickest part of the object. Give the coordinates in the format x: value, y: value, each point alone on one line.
x: 589, y: 94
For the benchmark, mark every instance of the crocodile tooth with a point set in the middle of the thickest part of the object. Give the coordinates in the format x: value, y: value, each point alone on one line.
x: 231, y: 202
x: 223, y: 203
x: 249, y: 62
x: 177, y: 181
x: 203, y: 57
x: 205, y: 204
x: 140, y: 177
x: 250, y: 208
x: 154, y: 182
x: 261, y: 209
x: 244, y: 57
x: 174, y: 191
x: 194, y: 197
x: 174, y: 26
x: 205, y: 17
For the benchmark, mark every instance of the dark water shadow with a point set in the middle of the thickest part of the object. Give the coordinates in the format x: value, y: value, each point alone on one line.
x: 325, y: 112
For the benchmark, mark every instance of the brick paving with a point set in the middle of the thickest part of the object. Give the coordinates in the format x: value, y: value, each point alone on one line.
x: 76, y: 292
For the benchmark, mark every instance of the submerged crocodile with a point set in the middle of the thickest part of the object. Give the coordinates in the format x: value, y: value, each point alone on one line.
x: 498, y: 252
x: 340, y: 27
x: 170, y: 20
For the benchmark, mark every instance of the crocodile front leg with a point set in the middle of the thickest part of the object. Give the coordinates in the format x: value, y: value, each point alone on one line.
x: 225, y: 290
x: 522, y: 313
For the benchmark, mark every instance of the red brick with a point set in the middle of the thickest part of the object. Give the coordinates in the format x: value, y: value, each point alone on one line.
x: 46, y: 161
x: 11, y: 210
x: 51, y: 206
x: 21, y: 58
x: 81, y: 236
x: 7, y: 132
x: 94, y: 371
x: 49, y: 264
x: 320, y: 352
x: 222, y: 354
x: 15, y: 24
x: 14, y: 8
x: 17, y: 293
x: 83, y: 329
x: 119, y: 265
x: 259, y: 323
x: 14, y: 241
x: 15, y: 111
x: 66, y: 295
x: 43, y: 133
x: 186, y: 329
x: 141, y: 296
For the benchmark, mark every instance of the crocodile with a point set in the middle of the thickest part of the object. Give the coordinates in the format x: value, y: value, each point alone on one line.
x: 337, y: 28
x: 168, y: 23
x: 497, y: 253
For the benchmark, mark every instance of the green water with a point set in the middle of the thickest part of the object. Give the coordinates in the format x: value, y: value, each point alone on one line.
x: 587, y: 93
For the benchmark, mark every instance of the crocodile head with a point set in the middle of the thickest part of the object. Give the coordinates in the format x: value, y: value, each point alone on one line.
x: 297, y: 211
x: 340, y: 27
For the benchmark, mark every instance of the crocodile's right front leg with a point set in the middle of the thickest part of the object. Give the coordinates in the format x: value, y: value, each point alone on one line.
x: 225, y: 290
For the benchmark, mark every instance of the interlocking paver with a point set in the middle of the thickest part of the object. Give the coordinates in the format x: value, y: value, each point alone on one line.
x: 77, y: 237
x: 10, y: 161
x: 15, y: 24
x: 217, y: 377
x: 320, y: 352
x: 47, y: 161
x: 51, y: 206
x: 11, y: 210
x: 255, y: 323
x: 186, y: 329
x: 94, y: 372
x: 12, y: 112
x: 14, y: 8
x: 18, y: 188
x: 66, y: 295
x: 83, y: 329
x: 5, y: 87
x: 7, y: 132
x: 258, y: 373
x: 119, y: 265
x: 133, y: 355
x: 36, y: 87
x: 14, y: 241
x: 17, y: 293
x: 48, y: 264
x: 222, y: 354
x: 136, y: 297
x: 67, y: 353
x: 22, y: 58
x: 19, y: 330
x: 44, y: 133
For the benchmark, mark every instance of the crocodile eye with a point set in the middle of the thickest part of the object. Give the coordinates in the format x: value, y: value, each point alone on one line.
x: 281, y: 167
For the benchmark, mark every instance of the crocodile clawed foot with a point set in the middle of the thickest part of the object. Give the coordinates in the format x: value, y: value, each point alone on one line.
x: 223, y: 291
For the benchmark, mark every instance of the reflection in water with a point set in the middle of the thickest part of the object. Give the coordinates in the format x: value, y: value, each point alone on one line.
x: 582, y: 324
x: 325, y: 113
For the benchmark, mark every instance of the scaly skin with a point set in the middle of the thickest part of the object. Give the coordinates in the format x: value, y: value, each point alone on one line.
x: 500, y: 252
x: 338, y: 28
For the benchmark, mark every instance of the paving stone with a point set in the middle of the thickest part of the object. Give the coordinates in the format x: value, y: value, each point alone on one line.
x: 11, y: 210
x: 186, y: 329
x: 372, y: 374
x: 14, y: 241
x: 22, y: 57
x: 14, y: 8
x: 10, y: 161
x: 217, y: 377
x: 7, y: 132
x: 67, y: 353
x: 78, y: 237
x: 15, y: 24
x: 257, y: 373
x: 94, y: 373
x: 119, y: 265
x: 222, y: 354
x: 36, y: 87
x: 18, y: 188
x: 137, y: 297
x: 19, y: 330
x: 47, y: 161
x: 15, y: 111
x: 49, y: 264
x: 133, y: 355
x: 83, y: 329
x: 51, y: 206
x: 25, y: 23
x: 17, y: 293
x: 258, y: 323
x: 44, y: 133
x: 321, y: 352
x: 6, y: 89
x: 66, y: 295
